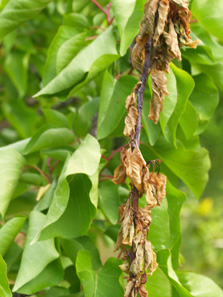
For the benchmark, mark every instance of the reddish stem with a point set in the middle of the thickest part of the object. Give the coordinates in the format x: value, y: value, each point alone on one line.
x: 40, y: 171
x: 99, y: 6
x: 91, y: 38
x: 193, y: 21
x: 98, y: 27
x: 116, y: 151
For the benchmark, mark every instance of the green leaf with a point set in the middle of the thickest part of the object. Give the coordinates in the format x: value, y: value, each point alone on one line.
x: 76, y: 20
x: 12, y: 255
x: 84, y: 160
x: 165, y: 229
x: 55, y: 118
x: 86, y: 65
x: 11, y: 165
x: 199, y: 285
x: 4, y: 286
x: 185, y: 85
x: 15, y: 66
x: 22, y: 118
x: 9, y: 231
x: 112, y: 109
x: 208, y: 52
x: 102, y: 283
x: 205, y: 97
x: 180, y: 85
x: 109, y: 200
x: 49, y: 138
x: 83, y: 120
x: 68, y: 50
x: 79, y: 212
x: 158, y: 284
x: 212, y: 21
x: 128, y: 16
x: 190, y: 166
x: 35, y: 259
x: 16, y: 12
x: 61, y: 40
x: 189, y: 120
x: 72, y: 246
x: 152, y: 130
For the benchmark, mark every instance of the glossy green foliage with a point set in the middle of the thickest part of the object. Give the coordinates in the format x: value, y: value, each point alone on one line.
x: 65, y: 75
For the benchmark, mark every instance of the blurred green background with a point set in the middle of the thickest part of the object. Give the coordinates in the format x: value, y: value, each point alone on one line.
x: 202, y: 220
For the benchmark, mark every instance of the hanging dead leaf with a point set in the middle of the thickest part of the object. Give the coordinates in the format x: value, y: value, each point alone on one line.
x: 163, y: 11
x: 142, y: 292
x: 148, y: 21
x: 124, y: 267
x: 129, y: 288
x: 119, y: 175
x: 134, y: 163
x: 158, y: 182
x: 171, y: 40
x: 159, y: 82
x: 130, y: 122
x: 137, y: 263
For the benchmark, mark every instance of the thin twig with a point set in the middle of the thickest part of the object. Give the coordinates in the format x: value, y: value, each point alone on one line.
x: 145, y: 73
x: 146, y: 68
x: 91, y: 38
x: 116, y: 151
x: 99, y: 6
x: 40, y: 171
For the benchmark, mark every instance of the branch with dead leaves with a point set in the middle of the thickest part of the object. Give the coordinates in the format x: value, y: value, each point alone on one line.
x: 163, y: 30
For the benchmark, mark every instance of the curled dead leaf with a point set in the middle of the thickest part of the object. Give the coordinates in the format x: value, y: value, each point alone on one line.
x: 119, y: 175
x: 134, y: 163
x: 124, y: 267
x: 142, y: 292
x: 158, y: 181
x: 163, y: 11
x: 130, y: 122
x: 149, y: 258
x: 171, y: 40
x: 159, y: 82
x: 148, y: 21
x: 137, y: 263
x: 129, y: 288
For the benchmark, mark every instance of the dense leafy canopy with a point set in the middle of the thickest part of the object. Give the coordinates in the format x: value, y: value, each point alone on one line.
x: 66, y: 73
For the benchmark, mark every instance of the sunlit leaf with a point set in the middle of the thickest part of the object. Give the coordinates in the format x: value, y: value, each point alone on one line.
x: 36, y: 259
x: 11, y: 164
x: 4, y: 286
x: 9, y: 231
x: 99, y: 284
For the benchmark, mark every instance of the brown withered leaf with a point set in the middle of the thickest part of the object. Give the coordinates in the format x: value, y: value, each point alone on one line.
x: 149, y: 191
x: 126, y: 232
x: 149, y: 258
x: 137, y: 263
x: 148, y: 21
x: 130, y: 101
x: 142, y: 292
x: 159, y: 82
x: 171, y: 40
x: 124, y: 267
x: 130, y: 122
x: 147, y: 254
x: 129, y: 288
x: 119, y: 175
x: 158, y: 181
x: 163, y: 11
x: 134, y: 163
x: 138, y: 53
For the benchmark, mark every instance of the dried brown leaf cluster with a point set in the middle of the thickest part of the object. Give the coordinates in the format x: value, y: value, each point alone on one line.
x: 167, y: 22
x: 135, y: 222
